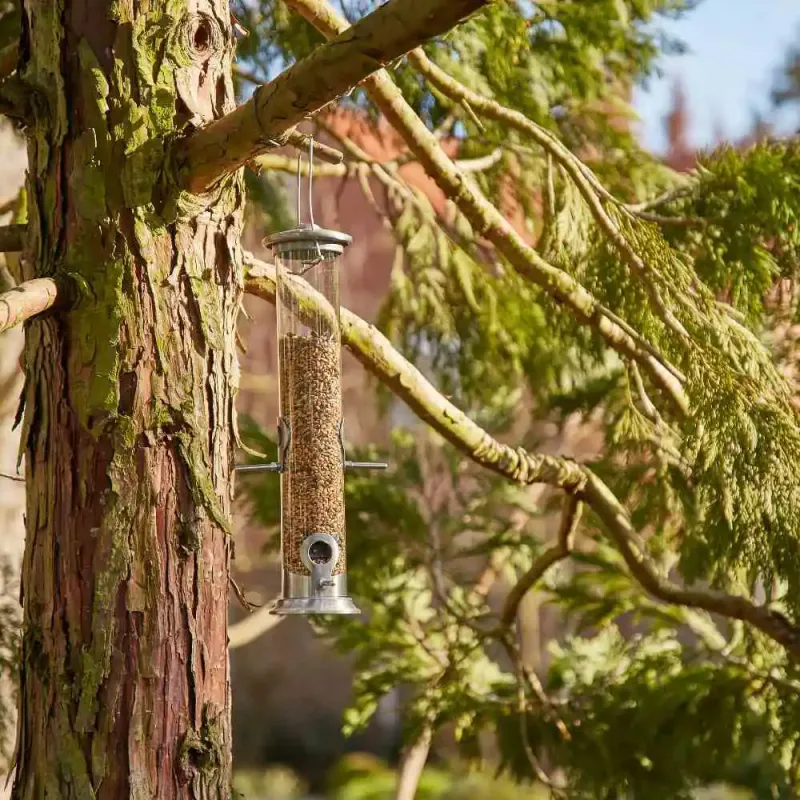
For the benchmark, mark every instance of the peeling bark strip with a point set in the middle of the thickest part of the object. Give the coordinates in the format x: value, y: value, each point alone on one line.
x: 129, y: 408
x: 333, y: 69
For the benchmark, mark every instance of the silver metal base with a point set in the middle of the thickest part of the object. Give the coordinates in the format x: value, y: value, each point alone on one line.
x: 314, y: 605
x: 301, y: 596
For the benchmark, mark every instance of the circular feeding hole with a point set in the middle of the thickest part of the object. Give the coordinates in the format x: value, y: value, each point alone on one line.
x: 320, y: 553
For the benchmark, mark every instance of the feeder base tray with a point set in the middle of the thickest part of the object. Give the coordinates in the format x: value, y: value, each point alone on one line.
x: 315, y: 605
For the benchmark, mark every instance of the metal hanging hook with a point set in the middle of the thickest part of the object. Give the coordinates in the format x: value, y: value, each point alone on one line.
x: 313, y: 262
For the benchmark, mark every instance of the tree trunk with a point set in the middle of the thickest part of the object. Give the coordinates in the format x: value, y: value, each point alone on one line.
x: 12, y: 492
x: 129, y: 407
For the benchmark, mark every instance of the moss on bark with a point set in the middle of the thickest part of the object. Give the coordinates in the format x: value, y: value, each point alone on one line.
x: 129, y: 421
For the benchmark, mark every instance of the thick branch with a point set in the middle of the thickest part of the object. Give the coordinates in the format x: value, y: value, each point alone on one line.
x: 487, y: 221
x: 27, y: 300
x: 378, y: 356
x: 12, y: 238
x: 330, y: 71
x: 557, y: 552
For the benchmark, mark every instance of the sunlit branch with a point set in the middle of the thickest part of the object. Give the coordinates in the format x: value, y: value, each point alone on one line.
x: 374, y: 351
x: 487, y: 221
x: 223, y: 146
x: 28, y: 300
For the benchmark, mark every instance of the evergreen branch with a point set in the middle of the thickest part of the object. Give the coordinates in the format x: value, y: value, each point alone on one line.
x: 585, y: 181
x: 219, y: 149
x: 486, y: 220
x: 617, y: 522
x: 12, y: 238
x: 558, y: 552
x: 28, y: 300
x: 378, y: 356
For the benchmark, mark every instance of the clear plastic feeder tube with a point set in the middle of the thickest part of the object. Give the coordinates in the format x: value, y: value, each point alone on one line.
x: 310, y: 384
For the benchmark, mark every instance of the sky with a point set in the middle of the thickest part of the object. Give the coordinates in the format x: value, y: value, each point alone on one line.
x: 735, y: 48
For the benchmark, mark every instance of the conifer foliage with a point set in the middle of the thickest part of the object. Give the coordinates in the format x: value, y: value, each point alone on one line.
x: 655, y: 302
x: 571, y: 277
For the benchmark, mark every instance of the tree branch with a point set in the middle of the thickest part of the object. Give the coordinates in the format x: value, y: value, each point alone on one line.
x: 378, y: 356
x: 223, y: 146
x: 584, y: 179
x: 375, y: 352
x: 28, y: 300
x: 412, y: 764
x: 323, y: 152
x: 337, y: 169
x: 608, y: 508
x: 557, y: 552
x: 487, y: 221
x: 252, y: 626
x: 12, y: 238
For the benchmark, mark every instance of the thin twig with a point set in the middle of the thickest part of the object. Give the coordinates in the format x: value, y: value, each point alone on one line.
x: 322, y: 151
x: 246, y: 604
x: 8, y: 476
x: 561, y: 550
x: 660, y: 200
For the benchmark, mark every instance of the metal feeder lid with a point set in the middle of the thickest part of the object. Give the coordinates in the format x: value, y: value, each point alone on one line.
x: 309, y: 237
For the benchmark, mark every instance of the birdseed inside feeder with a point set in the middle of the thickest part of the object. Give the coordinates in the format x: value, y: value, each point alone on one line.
x: 312, y: 457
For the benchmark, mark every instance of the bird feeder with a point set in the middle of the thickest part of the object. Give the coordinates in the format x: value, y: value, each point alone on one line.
x: 311, y: 452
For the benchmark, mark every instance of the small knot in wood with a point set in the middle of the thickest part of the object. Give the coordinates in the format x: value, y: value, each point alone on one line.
x: 202, y: 37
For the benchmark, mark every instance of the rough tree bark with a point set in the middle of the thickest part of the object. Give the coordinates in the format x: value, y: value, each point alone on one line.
x: 129, y: 419
x: 129, y: 406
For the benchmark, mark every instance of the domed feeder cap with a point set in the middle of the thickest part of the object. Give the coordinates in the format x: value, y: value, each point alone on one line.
x: 307, y: 240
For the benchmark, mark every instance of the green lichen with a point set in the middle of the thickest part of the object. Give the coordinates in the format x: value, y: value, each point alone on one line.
x: 195, y: 458
x: 114, y: 543
x: 202, y: 757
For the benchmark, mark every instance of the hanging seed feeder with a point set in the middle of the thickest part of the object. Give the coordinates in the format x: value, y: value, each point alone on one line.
x: 311, y: 448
